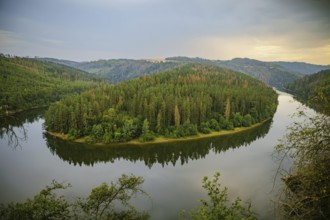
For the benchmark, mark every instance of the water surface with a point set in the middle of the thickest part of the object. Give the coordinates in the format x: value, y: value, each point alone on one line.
x: 173, y: 172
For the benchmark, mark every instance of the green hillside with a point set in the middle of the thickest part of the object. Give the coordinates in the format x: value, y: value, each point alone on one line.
x: 28, y: 83
x: 314, y: 90
x: 301, y: 67
x: 269, y: 73
x: 177, y: 103
x: 117, y: 70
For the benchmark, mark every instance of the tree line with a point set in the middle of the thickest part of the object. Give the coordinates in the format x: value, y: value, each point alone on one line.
x: 177, y: 103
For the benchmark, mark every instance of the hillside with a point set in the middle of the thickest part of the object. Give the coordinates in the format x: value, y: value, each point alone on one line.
x: 300, y: 67
x: 117, y: 70
x: 314, y: 90
x: 269, y: 73
x: 275, y: 74
x: 181, y: 102
x: 28, y: 83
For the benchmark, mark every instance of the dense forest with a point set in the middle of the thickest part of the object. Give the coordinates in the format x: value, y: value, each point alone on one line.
x: 29, y: 83
x: 314, y: 90
x: 180, y: 102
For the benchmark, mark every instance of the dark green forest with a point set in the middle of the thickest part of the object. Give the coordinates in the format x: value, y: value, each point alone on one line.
x: 181, y: 102
x: 29, y: 83
x: 314, y: 90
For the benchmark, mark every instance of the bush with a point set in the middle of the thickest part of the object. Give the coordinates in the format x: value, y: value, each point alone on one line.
x: 204, y: 128
x: 307, y: 191
x: 100, y: 204
x: 73, y: 134
x: 218, y: 206
x: 214, y: 125
x: 147, y: 137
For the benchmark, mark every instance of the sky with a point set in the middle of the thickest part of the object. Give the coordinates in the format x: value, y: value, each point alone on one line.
x: 85, y: 30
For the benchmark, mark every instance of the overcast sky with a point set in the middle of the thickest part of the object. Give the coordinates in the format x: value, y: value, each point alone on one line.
x: 268, y: 30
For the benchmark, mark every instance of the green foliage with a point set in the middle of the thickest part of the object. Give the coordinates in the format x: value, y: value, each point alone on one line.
x: 218, y: 206
x: 307, y: 191
x: 314, y: 90
x: 204, y: 128
x: 29, y: 83
x: 100, y: 204
x: 200, y: 95
x: 44, y: 205
x: 104, y: 202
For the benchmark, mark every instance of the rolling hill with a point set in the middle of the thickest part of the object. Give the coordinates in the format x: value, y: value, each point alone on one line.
x: 29, y: 83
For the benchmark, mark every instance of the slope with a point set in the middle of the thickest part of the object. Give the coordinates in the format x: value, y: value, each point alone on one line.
x: 271, y: 74
x: 300, y: 67
x: 314, y: 90
x: 117, y: 70
x: 29, y: 83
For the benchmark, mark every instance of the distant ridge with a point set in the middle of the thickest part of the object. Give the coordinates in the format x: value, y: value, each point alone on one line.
x: 301, y: 67
x: 274, y: 74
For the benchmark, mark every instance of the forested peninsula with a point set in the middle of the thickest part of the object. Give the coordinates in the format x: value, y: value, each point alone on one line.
x: 180, y: 102
x: 28, y: 83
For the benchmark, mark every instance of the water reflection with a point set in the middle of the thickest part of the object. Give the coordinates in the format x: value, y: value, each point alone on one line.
x: 12, y: 127
x: 164, y: 154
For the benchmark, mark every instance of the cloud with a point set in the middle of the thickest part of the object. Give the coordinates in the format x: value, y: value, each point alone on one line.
x: 266, y: 48
x: 217, y: 29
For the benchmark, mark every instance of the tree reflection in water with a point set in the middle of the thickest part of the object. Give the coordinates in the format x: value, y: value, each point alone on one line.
x: 13, y: 127
x: 161, y: 153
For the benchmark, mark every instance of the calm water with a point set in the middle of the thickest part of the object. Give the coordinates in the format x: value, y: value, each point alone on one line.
x: 30, y: 160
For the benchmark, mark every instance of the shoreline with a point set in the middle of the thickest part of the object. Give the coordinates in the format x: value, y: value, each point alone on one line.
x: 8, y: 113
x: 161, y: 139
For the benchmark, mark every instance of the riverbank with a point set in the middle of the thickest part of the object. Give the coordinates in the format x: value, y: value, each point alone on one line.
x: 161, y: 139
x: 7, y: 113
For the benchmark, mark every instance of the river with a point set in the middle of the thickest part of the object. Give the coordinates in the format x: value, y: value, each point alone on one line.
x: 173, y: 172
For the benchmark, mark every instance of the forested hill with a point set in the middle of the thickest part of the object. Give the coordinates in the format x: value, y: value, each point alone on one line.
x: 272, y: 74
x: 179, y: 102
x: 28, y: 83
x: 117, y: 70
x: 304, y: 68
x: 313, y: 90
x: 275, y: 74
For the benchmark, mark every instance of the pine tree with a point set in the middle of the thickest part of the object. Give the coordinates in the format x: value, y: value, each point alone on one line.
x: 176, y: 116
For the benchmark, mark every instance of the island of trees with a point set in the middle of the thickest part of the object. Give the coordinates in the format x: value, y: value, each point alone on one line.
x: 180, y: 102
